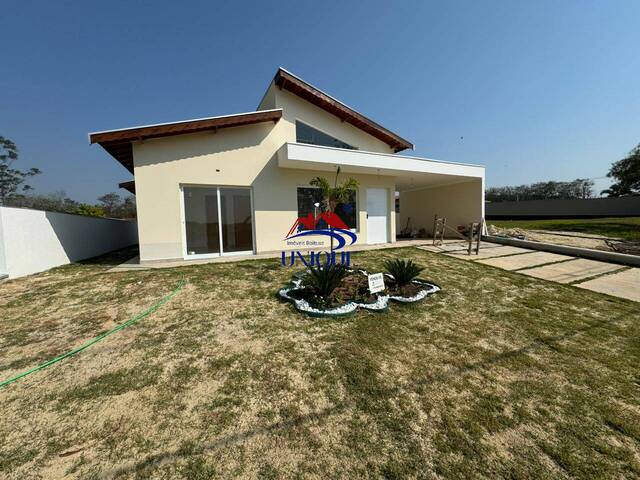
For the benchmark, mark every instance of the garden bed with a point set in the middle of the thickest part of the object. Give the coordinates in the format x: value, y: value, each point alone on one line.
x: 352, y: 294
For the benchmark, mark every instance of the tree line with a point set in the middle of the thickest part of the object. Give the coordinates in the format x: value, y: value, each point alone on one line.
x: 110, y: 205
x: 16, y: 192
x: 579, y: 188
x: 625, y: 172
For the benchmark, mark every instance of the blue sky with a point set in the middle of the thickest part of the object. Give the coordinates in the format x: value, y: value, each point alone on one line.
x: 533, y: 90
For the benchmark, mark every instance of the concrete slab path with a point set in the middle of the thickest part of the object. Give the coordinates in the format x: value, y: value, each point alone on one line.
x: 624, y: 284
x: 499, y: 251
x: 516, y: 262
x: 611, y: 278
x: 567, y: 272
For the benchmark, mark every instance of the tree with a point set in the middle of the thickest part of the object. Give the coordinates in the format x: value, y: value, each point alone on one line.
x: 584, y: 187
x: 115, y: 206
x: 627, y: 175
x: 333, y: 196
x: 128, y: 208
x: 110, y: 203
x: 10, y: 178
x: 53, y: 202
x: 91, y: 210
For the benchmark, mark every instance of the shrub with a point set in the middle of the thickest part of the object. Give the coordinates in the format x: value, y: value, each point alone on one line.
x: 324, y: 280
x: 402, y: 271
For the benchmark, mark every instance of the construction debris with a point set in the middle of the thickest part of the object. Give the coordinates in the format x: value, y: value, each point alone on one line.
x: 572, y: 239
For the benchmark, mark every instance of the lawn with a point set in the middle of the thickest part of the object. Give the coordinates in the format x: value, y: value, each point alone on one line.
x: 498, y: 376
x: 627, y: 228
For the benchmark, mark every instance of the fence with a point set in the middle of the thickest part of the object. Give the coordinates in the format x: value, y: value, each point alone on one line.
x: 32, y: 241
x: 587, y: 208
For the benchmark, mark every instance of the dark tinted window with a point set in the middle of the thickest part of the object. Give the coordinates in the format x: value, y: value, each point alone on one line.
x: 307, y: 134
x: 308, y: 196
x: 348, y: 211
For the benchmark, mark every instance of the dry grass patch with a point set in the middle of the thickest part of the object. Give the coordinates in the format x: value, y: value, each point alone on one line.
x: 498, y: 375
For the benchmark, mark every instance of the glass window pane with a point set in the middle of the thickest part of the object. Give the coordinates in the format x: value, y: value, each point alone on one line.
x: 201, y: 220
x: 308, y: 196
x: 307, y: 134
x: 347, y: 211
x: 237, y: 230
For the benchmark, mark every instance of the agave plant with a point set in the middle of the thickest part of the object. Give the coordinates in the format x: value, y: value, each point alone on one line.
x: 324, y: 280
x: 402, y: 271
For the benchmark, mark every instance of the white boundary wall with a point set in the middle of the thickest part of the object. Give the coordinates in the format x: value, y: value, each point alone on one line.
x: 32, y: 241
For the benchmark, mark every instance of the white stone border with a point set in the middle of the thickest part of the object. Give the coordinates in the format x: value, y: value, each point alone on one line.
x: 381, y: 304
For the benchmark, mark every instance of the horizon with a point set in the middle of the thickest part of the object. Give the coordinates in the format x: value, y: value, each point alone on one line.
x: 534, y: 92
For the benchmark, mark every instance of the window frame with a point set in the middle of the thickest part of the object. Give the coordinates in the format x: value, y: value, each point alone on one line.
x: 222, y: 253
x: 297, y: 120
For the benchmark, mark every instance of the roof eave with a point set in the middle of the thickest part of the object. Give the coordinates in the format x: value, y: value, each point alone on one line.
x: 118, y: 143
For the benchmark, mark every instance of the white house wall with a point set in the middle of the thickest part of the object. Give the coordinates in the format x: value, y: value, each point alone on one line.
x: 460, y: 203
x: 243, y: 157
x: 240, y: 157
x: 247, y: 156
x: 294, y: 108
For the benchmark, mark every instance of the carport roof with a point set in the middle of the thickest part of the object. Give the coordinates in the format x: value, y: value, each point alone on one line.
x: 411, y: 173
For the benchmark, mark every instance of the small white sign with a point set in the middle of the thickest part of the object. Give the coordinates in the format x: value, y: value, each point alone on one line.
x: 376, y: 282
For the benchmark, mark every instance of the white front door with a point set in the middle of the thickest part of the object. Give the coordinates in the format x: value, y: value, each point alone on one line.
x: 377, y: 211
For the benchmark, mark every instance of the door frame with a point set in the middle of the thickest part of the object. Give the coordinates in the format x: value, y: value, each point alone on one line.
x: 183, y: 223
x: 387, y: 216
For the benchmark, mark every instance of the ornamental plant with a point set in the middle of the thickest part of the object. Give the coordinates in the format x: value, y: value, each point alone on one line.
x: 323, y: 280
x: 402, y: 271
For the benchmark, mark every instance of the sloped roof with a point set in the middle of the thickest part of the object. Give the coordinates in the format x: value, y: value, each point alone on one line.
x: 308, y: 92
x: 129, y: 186
x: 118, y: 142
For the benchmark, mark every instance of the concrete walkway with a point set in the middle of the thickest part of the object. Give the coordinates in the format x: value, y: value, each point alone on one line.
x: 134, y: 263
x: 603, y: 277
x: 524, y: 260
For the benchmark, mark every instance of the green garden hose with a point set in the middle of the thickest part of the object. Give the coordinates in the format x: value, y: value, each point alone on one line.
x: 129, y: 322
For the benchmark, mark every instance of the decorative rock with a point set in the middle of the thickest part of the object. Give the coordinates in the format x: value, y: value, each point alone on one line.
x: 381, y: 304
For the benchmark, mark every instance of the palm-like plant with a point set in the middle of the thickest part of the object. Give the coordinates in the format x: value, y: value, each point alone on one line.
x: 402, y: 271
x: 333, y: 196
x: 325, y: 279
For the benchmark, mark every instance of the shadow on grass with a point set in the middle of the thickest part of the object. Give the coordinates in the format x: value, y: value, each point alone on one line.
x: 159, y: 459
x: 112, y: 259
x: 548, y: 342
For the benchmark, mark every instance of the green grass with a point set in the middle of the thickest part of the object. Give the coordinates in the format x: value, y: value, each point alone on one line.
x: 497, y: 376
x: 627, y: 228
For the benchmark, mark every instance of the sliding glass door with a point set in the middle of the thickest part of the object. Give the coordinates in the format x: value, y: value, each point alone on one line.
x: 217, y: 221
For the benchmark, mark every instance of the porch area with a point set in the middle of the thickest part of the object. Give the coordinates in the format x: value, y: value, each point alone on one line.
x: 423, y: 188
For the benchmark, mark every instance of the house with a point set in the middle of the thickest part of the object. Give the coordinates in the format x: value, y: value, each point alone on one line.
x: 236, y: 184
